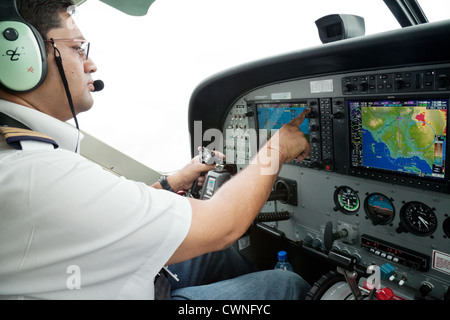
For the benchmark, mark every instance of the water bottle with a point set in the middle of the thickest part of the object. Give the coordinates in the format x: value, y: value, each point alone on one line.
x: 283, y: 263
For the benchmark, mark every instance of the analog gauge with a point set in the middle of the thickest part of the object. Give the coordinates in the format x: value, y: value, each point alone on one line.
x: 379, y: 208
x: 446, y: 227
x: 417, y: 218
x: 346, y: 200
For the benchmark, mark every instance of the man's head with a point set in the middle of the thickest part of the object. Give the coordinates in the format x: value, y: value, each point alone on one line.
x: 43, y: 15
x: 53, y: 20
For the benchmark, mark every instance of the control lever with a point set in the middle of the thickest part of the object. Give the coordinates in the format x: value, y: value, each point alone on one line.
x: 206, y: 156
x: 281, y: 195
x: 329, y: 236
x: 219, y: 175
x: 285, y: 191
x: 346, y: 266
x: 350, y: 277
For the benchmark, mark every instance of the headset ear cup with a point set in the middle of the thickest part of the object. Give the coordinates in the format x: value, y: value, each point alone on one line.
x: 23, y: 58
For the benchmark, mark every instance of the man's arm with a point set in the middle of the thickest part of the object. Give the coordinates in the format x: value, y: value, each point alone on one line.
x: 220, y: 221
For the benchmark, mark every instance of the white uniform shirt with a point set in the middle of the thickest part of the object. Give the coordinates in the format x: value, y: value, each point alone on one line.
x: 71, y: 230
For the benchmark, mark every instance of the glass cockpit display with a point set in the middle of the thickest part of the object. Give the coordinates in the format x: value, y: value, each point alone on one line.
x: 401, y: 136
x: 272, y: 116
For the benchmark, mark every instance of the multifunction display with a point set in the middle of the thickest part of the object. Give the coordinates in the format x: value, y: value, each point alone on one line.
x: 405, y: 136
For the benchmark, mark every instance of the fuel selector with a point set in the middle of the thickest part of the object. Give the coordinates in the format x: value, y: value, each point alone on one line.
x: 345, y: 232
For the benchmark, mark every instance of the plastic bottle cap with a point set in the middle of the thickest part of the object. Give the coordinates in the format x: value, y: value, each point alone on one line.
x: 282, y: 255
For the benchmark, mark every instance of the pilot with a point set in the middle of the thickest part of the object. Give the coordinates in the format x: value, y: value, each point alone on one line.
x: 72, y: 230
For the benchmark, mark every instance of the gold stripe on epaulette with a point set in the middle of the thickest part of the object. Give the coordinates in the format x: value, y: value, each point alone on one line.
x: 8, y: 132
x: 13, y: 136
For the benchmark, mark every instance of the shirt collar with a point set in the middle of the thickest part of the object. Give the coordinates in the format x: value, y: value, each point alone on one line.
x: 66, y: 135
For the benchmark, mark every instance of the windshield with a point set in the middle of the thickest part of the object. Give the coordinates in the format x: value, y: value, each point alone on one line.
x: 152, y: 64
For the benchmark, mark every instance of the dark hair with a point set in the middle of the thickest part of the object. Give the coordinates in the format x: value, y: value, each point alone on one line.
x: 43, y: 14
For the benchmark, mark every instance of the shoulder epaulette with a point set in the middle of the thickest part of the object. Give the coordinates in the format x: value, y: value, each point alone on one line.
x: 13, y: 137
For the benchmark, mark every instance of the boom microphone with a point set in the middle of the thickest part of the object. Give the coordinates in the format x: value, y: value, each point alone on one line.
x: 98, y: 85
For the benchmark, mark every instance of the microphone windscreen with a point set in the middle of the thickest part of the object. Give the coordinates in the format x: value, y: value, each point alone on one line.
x: 98, y: 85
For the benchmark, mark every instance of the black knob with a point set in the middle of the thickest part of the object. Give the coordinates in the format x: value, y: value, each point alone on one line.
x: 364, y: 86
x: 399, y: 84
x: 315, y: 165
x: 425, y: 289
x: 349, y: 87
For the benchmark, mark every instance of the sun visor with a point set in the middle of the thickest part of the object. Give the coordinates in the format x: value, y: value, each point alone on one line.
x: 133, y: 8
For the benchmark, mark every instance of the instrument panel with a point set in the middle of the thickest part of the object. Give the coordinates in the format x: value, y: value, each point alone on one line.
x: 377, y: 169
x: 376, y: 186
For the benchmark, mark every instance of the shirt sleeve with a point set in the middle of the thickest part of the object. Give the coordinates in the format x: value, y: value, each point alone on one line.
x: 66, y: 213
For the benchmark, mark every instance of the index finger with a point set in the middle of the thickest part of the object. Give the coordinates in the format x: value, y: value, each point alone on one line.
x: 301, y: 117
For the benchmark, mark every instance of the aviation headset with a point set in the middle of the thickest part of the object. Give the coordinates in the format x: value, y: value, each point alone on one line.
x: 23, y: 61
x: 23, y: 58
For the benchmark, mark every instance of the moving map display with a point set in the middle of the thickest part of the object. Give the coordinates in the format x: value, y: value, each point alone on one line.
x: 406, y: 136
